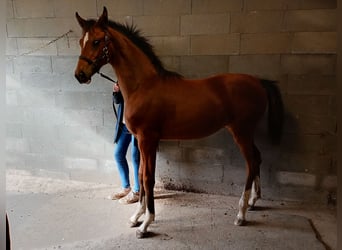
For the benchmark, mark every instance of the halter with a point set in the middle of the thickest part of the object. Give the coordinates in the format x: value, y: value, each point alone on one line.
x: 105, y: 55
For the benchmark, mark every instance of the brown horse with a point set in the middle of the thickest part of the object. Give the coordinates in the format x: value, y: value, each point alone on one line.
x: 162, y: 105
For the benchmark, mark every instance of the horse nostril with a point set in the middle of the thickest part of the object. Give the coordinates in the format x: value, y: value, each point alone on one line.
x: 80, y: 76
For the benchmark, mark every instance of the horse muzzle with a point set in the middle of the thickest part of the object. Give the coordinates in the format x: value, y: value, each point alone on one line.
x: 82, y: 77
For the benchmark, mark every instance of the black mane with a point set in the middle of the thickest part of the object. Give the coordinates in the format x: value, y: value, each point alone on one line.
x: 134, y: 35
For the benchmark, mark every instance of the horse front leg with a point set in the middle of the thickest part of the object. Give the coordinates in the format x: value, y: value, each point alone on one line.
x: 148, y: 150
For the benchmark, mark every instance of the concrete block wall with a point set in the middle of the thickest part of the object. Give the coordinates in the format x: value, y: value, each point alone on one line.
x: 59, y: 128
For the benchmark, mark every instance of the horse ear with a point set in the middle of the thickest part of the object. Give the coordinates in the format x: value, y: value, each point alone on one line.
x: 103, y: 19
x: 80, y: 20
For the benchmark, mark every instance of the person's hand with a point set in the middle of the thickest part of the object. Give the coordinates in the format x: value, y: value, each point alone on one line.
x: 116, y: 87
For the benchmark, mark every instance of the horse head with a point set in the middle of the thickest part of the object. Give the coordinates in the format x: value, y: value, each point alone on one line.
x: 94, y: 47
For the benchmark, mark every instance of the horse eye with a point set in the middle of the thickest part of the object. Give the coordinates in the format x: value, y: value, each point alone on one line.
x: 96, y: 43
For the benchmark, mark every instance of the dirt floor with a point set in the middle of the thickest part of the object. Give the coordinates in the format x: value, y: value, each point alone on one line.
x: 49, y: 213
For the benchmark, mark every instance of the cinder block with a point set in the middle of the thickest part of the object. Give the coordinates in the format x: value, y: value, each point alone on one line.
x: 265, y: 43
x: 39, y: 131
x: 298, y: 161
x: 173, y: 46
x: 329, y: 182
x: 252, y: 5
x: 308, y: 64
x: 36, y: 98
x: 259, y: 65
x: 65, y: 8
x: 205, y: 24
x: 64, y: 64
x: 14, y: 114
x: 228, y: 44
x: 11, y: 46
x: 83, y: 100
x: 289, y: 4
x: 83, y: 117
x: 311, y: 85
x: 35, y: 115
x: 41, y: 81
x: 121, y: 7
x: 109, y: 119
x: 32, y: 64
x: 167, y: 7
x: 12, y: 98
x: 314, y: 42
x: 33, y: 8
x: 311, y: 4
x: 13, y: 81
x: 319, y: 105
x: 68, y: 46
x: 296, y: 179
x: 9, y: 68
x: 36, y: 46
x: 48, y: 27
x: 84, y: 148
x: 17, y: 145
x: 201, y: 172
x: 256, y: 22
x: 209, y: 6
x: 107, y: 135
x: 171, y: 62
x: 316, y: 124
x: 14, y: 130
x: 158, y: 25
x: 10, y: 11
x: 203, y: 66
x: 45, y: 145
x: 80, y: 163
x: 310, y: 20
x: 14, y: 160
x: 72, y: 133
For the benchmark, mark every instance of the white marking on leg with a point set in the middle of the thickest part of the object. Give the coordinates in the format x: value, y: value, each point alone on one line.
x: 148, y: 220
x: 243, y: 205
x: 140, y: 211
x: 255, y: 195
x: 85, y: 39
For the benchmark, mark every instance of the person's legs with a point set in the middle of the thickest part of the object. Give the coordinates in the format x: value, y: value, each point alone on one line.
x: 134, y: 194
x: 120, y: 151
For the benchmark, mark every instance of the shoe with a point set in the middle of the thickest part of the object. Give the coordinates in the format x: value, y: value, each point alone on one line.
x: 132, y: 197
x: 118, y: 195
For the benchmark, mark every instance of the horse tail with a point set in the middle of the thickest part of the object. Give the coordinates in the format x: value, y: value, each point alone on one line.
x: 275, y: 110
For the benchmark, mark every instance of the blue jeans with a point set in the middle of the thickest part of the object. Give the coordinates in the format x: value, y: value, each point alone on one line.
x: 120, y: 151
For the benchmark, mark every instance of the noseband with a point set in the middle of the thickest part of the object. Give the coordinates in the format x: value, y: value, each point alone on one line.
x: 104, y: 55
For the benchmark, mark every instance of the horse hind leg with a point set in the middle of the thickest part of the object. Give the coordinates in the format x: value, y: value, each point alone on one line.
x: 246, y: 144
x: 256, y: 189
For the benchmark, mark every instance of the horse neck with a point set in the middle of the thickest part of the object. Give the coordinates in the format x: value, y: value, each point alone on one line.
x: 131, y: 65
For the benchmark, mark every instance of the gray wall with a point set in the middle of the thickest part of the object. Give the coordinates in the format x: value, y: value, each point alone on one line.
x: 58, y: 128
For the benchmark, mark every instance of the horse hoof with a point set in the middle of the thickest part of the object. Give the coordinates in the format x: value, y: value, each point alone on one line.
x: 140, y: 234
x: 239, y: 222
x: 132, y: 224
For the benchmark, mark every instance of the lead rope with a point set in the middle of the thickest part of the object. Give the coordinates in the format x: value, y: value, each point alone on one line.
x: 107, y: 77
x: 114, y: 81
